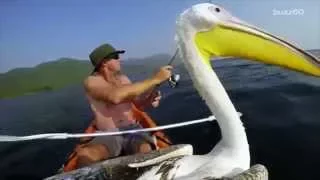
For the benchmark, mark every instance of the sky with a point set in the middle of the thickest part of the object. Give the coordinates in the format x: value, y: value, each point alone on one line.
x: 36, y: 31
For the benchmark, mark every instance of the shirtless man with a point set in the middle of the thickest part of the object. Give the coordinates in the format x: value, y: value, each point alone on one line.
x: 110, y: 94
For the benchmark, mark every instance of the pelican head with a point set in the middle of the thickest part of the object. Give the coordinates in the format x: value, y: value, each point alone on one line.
x: 216, y: 32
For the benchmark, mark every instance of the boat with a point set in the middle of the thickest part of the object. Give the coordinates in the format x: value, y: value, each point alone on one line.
x: 162, y: 141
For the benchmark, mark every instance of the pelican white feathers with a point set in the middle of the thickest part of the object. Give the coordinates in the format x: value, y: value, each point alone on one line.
x: 206, y: 31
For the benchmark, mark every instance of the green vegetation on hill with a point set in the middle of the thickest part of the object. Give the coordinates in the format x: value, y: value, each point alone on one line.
x: 65, y: 71
x: 44, y: 77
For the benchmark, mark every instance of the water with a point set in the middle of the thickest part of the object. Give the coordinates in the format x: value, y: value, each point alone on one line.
x: 280, y: 107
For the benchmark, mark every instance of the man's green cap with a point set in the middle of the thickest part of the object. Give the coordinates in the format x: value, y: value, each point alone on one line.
x: 100, y: 53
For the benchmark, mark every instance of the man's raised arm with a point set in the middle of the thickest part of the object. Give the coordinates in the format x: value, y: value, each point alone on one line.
x: 101, y: 90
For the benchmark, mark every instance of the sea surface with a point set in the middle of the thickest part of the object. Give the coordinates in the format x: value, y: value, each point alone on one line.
x: 280, y: 109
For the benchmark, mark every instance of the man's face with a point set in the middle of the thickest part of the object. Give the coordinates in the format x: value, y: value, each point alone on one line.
x: 113, y: 63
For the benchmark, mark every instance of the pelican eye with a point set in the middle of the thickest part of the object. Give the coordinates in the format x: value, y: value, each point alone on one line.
x: 217, y: 9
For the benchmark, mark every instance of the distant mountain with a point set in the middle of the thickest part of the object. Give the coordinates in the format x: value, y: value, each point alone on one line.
x: 66, y: 71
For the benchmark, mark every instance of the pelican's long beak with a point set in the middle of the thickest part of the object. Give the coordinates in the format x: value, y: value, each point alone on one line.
x: 239, y: 39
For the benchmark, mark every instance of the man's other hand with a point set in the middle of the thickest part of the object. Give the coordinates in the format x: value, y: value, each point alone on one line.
x: 155, y: 98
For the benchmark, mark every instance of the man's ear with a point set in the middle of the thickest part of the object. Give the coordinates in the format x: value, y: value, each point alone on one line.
x: 104, y: 64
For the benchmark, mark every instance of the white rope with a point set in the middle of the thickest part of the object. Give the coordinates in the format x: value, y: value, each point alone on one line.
x: 6, y: 138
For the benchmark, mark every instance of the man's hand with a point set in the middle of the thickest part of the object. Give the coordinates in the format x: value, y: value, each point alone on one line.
x: 163, y: 74
x: 150, y: 99
x: 155, y: 98
x: 146, y: 100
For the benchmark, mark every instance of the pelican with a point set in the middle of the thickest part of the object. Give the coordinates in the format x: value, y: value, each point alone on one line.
x: 206, y: 31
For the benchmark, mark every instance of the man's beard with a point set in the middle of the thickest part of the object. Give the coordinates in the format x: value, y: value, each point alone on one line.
x: 117, y: 73
x: 115, y: 79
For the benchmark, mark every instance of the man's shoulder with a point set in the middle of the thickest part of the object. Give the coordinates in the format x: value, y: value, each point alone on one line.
x: 94, y: 80
x: 94, y: 77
